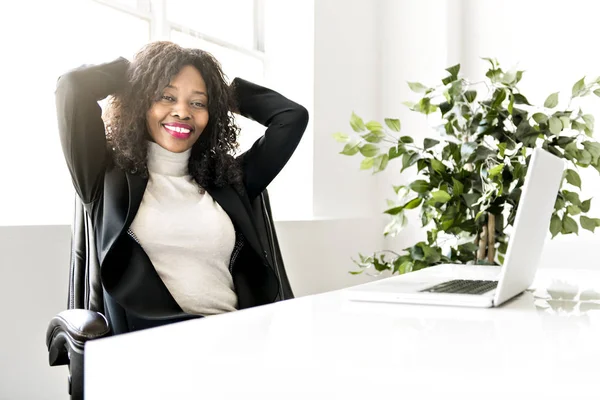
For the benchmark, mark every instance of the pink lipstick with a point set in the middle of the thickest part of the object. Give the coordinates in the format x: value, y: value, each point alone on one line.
x: 178, y: 130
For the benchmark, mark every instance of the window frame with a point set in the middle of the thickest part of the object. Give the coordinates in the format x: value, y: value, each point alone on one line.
x: 154, y: 11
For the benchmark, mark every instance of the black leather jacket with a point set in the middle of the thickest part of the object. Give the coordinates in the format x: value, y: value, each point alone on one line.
x: 112, y: 196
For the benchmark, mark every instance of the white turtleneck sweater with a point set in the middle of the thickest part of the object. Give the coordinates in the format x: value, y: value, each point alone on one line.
x: 186, y: 234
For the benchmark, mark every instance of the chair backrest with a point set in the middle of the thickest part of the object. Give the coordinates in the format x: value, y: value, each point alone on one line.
x: 261, y: 208
x: 85, y: 287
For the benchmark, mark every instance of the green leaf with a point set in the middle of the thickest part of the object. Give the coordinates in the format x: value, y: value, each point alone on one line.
x: 559, y: 203
x: 496, y: 170
x: 380, y: 162
x: 494, y: 74
x: 573, y: 178
x: 572, y: 197
x: 498, y: 98
x: 555, y: 125
x: 431, y: 254
x: 396, y: 151
x: 597, y: 92
x: 471, y: 198
x: 551, y: 101
x: 569, y: 225
x: 448, y: 79
x: 351, y: 149
x: 468, y: 247
x: 453, y: 70
x: 341, y: 137
x: 584, y: 157
x: 555, y: 225
x: 429, y: 143
x: 417, y: 87
x: 501, y: 149
x: 407, y: 139
x: 540, y: 118
x: 589, y: 121
x: 419, y: 186
x: 416, y: 252
x: 573, y: 210
x: 409, y: 159
x: 585, y: 205
x: 518, y: 171
x: 394, y: 210
x: 438, y: 166
x: 367, y: 163
x: 519, y: 76
x: 374, y: 126
x: 578, y: 87
x: 369, y: 150
x: 393, y: 124
x: 458, y: 187
x: 571, y: 150
x: 564, y: 140
x: 470, y: 95
x: 578, y: 126
x: 565, y: 121
x: 374, y: 137
x: 440, y: 196
x: 357, y: 123
x: 424, y: 106
x: 593, y: 148
x: 414, y: 203
x: 405, y: 267
x: 520, y: 99
x: 483, y: 153
x: 589, y: 224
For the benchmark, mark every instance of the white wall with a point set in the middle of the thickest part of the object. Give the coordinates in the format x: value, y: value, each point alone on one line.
x: 289, y: 37
x: 34, y: 266
x: 347, y: 66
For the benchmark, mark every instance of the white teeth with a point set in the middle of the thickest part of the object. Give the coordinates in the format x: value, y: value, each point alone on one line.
x: 178, y: 129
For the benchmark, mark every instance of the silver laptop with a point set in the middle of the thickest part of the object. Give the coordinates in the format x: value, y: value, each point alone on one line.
x: 479, y: 285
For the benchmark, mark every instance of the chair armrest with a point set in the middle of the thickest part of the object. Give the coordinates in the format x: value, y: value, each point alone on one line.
x: 69, y: 330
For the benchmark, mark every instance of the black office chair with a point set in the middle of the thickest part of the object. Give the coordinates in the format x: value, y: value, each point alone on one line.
x: 84, y: 319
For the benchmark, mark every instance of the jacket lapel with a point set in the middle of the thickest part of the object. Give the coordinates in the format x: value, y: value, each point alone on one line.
x: 136, y: 186
x: 239, y: 212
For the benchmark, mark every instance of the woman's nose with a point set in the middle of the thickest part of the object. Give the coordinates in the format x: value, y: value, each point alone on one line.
x: 181, y: 111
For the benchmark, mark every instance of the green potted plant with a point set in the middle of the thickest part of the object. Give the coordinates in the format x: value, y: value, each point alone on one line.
x: 471, y: 169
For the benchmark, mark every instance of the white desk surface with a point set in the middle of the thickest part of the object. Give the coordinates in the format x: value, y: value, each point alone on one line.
x: 544, y: 344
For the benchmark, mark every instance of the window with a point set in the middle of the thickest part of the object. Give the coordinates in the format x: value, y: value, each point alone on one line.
x: 236, y: 27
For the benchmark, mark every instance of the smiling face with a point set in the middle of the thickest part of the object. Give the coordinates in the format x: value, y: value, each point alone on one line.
x: 176, y: 120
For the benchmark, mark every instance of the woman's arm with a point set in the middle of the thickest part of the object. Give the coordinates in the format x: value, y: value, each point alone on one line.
x: 285, y: 121
x: 80, y: 122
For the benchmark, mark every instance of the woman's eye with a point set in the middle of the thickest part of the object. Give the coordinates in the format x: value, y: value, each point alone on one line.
x: 198, y: 105
x: 167, y: 97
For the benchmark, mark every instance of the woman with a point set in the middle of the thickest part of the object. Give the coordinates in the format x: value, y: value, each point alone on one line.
x: 171, y: 206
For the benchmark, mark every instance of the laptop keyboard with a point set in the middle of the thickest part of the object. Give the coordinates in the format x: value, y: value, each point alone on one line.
x: 463, y: 286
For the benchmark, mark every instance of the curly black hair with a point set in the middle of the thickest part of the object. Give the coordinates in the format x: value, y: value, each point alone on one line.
x: 211, y: 160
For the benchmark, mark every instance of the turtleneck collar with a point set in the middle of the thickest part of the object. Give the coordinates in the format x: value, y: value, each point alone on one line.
x: 165, y: 162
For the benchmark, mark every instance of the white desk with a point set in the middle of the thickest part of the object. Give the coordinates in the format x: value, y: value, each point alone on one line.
x: 545, y: 344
